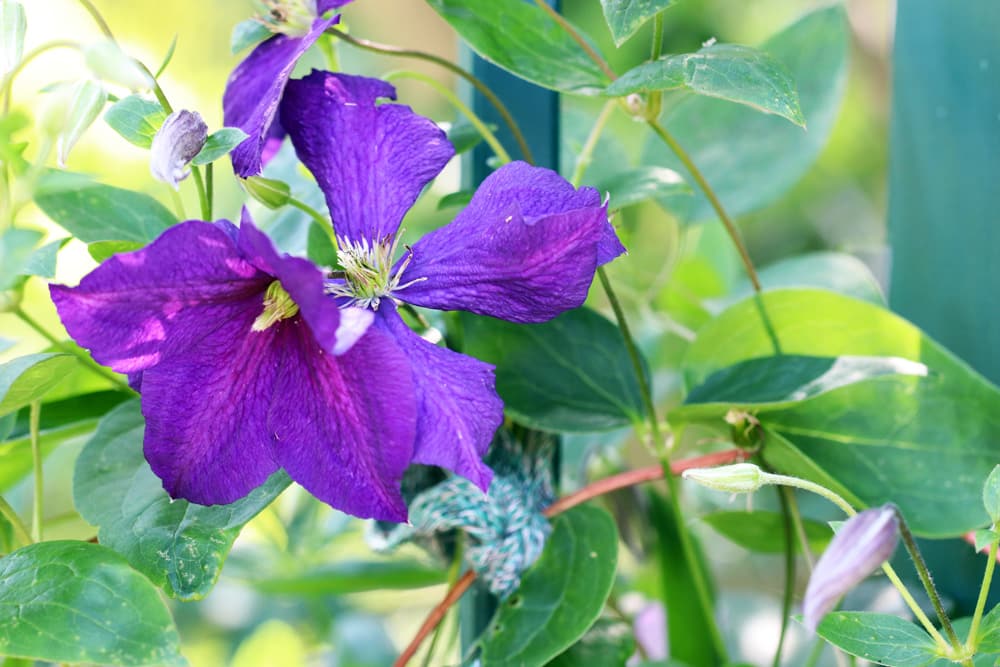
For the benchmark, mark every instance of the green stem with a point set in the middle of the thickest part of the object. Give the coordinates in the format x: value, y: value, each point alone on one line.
x: 890, y: 572
x: 206, y: 206
x: 655, y: 101
x: 789, y: 584
x: 35, y: 413
x: 476, y: 83
x: 699, y: 178
x: 8, y: 80
x: 20, y: 530
x: 586, y: 153
x: 578, y: 38
x: 98, y: 19
x: 687, y: 545
x: 210, y: 188
x: 445, y: 92
x: 79, y: 354
x: 984, y: 590
x: 312, y: 213
x: 925, y: 578
x: 800, y: 527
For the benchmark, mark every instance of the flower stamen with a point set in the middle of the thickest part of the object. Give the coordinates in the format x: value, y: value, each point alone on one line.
x: 278, y: 305
x: 367, y: 271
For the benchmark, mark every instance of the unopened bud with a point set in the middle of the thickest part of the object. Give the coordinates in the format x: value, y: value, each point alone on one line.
x: 269, y: 192
x: 12, y: 27
x: 109, y: 63
x: 862, y: 544
x: 735, y: 478
x: 178, y: 140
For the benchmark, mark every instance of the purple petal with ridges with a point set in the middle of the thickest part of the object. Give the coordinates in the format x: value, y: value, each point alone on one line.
x: 323, y: 6
x: 139, y: 307
x: 344, y: 426
x: 305, y: 284
x: 372, y: 161
x: 254, y: 91
x: 525, y: 249
x: 206, y: 413
x: 458, y: 409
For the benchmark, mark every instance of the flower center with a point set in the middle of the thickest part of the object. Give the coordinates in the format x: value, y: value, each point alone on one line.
x: 278, y: 305
x: 287, y: 17
x: 367, y: 275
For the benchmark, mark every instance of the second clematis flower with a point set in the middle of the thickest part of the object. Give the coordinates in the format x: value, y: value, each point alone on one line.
x: 525, y: 249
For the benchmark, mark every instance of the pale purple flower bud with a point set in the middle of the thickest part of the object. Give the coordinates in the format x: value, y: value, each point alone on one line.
x: 862, y: 544
x: 179, y: 139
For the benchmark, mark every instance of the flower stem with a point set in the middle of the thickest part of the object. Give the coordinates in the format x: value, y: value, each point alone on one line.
x: 98, y: 19
x: 446, y: 93
x: 20, y: 530
x: 699, y: 178
x: 476, y: 83
x: 67, y: 349
x: 205, y: 205
x: 890, y: 572
x: 578, y: 38
x: 984, y: 590
x: 8, y: 80
x: 789, y: 583
x: 583, y: 160
x: 800, y: 527
x: 210, y: 187
x: 655, y: 100
x: 925, y: 578
x: 35, y: 412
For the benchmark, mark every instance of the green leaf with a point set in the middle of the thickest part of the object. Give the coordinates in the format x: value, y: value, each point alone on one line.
x: 69, y: 601
x: 42, y: 262
x: 749, y: 158
x: 688, y: 623
x: 608, y: 643
x: 762, y: 531
x: 524, y: 40
x: 136, y: 119
x: 178, y: 545
x: 984, y: 538
x: 989, y: 632
x: 455, y: 199
x: 16, y: 457
x: 780, y: 381
x: 30, y: 377
x: 247, y: 33
x: 731, y: 72
x: 464, y: 136
x: 95, y: 212
x: 626, y: 188
x: 884, y: 438
x: 319, y: 246
x: 218, y: 144
x: 991, y: 494
x: 551, y: 610
x: 16, y: 248
x: 101, y: 250
x: 350, y: 577
x: 625, y: 17
x: 834, y: 271
x: 884, y: 639
x: 572, y: 373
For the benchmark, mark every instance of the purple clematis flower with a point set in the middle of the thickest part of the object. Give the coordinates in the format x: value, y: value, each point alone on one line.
x: 255, y: 87
x: 247, y: 366
x: 525, y: 249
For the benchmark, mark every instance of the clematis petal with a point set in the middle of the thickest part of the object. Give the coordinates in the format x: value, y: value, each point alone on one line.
x: 323, y: 6
x: 344, y: 426
x: 334, y: 329
x: 206, y: 414
x: 458, y: 409
x: 254, y: 91
x: 371, y: 160
x: 139, y: 307
x: 525, y: 249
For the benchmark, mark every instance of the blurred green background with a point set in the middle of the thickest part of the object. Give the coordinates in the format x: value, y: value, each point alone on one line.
x: 840, y: 204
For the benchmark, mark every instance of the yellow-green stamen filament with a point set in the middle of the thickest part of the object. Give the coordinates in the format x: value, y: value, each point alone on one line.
x: 278, y: 305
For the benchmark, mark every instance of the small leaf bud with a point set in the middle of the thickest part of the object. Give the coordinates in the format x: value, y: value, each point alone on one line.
x: 735, y: 478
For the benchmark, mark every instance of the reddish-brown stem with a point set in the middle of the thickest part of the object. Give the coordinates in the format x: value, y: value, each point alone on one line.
x: 598, y: 488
